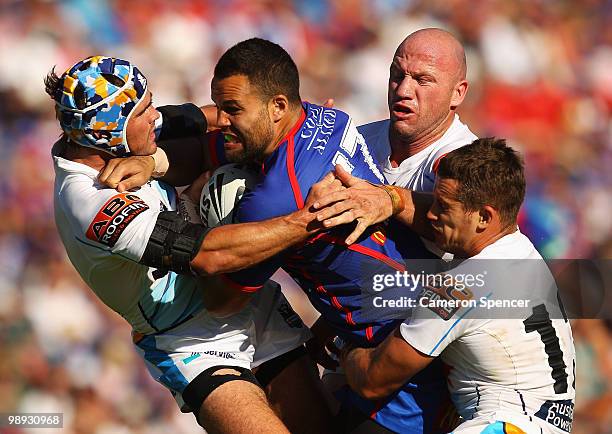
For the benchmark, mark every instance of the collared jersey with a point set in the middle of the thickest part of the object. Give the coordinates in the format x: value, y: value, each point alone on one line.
x: 416, y: 172
x: 504, y: 369
x: 105, y: 234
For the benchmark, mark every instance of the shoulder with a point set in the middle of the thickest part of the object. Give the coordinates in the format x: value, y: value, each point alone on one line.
x: 512, y: 246
x: 374, y: 129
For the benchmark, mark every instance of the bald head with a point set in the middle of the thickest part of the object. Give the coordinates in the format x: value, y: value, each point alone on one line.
x: 426, y: 85
x: 439, y: 45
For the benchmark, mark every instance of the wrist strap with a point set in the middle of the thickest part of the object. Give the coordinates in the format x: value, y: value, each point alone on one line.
x: 397, y: 201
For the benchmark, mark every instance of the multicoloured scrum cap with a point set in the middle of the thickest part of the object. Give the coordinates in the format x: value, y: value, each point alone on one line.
x: 94, y: 104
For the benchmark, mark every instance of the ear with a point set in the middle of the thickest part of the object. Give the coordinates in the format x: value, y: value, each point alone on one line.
x: 278, y: 107
x: 458, y: 94
x: 486, y: 216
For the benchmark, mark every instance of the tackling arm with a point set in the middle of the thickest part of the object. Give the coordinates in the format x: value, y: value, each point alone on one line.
x: 180, y: 246
x: 375, y: 373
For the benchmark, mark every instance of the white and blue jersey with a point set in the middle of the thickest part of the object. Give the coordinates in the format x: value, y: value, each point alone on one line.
x: 335, y: 276
x: 105, y: 234
x: 513, y: 365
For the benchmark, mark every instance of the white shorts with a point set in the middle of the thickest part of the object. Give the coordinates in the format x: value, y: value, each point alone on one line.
x: 267, y: 328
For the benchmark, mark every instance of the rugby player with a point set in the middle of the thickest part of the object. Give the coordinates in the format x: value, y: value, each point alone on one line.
x: 427, y: 83
x: 262, y: 119
x: 506, y: 375
x: 130, y: 248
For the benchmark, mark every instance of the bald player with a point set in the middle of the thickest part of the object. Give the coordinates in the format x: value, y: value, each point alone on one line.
x: 427, y: 83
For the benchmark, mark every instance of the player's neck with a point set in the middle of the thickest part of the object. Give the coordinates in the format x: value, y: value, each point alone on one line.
x: 486, y: 239
x: 88, y: 156
x: 403, y: 147
x: 285, y: 125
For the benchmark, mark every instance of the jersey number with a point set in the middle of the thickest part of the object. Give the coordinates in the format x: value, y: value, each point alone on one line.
x: 540, y: 322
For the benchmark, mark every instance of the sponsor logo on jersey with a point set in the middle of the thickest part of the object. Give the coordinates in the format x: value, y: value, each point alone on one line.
x: 318, y: 127
x: 445, y: 300
x: 558, y: 413
x: 114, y: 216
x: 379, y: 236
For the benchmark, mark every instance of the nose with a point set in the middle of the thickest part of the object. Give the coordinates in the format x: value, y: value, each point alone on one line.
x: 156, y: 115
x: 432, y: 213
x: 222, y: 119
x: 405, y: 89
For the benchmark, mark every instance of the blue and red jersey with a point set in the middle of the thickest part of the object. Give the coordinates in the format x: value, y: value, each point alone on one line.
x: 337, y: 278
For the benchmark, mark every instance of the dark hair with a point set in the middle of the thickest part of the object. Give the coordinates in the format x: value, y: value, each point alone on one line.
x: 53, y: 83
x: 489, y: 173
x: 53, y: 87
x: 267, y: 65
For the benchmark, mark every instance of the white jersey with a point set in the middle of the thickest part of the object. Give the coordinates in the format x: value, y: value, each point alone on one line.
x: 105, y: 234
x: 418, y: 171
x: 518, y: 370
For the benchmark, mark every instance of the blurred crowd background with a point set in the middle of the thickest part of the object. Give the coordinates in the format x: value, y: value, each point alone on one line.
x: 540, y: 74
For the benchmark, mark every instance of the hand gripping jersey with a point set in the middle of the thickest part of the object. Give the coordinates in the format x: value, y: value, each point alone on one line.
x: 333, y: 275
x: 518, y: 371
x: 417, y: 172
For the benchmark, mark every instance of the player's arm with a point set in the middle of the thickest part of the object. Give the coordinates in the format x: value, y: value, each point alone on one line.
x: 183, y: 247
x: 370, y: 204
x: 375, y: 373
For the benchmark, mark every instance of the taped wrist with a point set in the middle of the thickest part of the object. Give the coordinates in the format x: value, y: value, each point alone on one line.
x: 174, y: 242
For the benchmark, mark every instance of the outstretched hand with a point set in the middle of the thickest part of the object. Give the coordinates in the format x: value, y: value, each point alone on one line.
x: 361, y: 201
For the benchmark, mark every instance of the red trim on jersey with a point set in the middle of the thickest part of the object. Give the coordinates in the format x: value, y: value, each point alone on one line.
x: 239, y: 286
x: 295, y: 185
x: 377, y: 255
x: 369, y: 332
x: 334, y: 300
x: 212, y: 148
x: 434, y: 168
x: 360, y: 249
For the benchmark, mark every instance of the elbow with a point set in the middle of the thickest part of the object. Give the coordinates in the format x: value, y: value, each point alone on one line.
x: 211, y: 263
x: 370, y: 390
x: 373, y: 392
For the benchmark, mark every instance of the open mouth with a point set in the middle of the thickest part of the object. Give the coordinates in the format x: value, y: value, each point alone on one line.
x: 402, y: 111
x: 231, y: 141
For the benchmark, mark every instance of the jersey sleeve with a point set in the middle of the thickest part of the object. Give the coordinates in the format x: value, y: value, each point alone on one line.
x: 120, y: 223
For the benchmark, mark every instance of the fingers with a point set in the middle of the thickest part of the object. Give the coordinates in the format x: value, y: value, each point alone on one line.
x: 329, y: 103
x: 107, y: 171
x: 337, y: 208
x: 127, y: 173
x: 326, y: 186
x: 346, y: 178
x: 331, y: 197
x: 343, y: 218
x: 131, y: 182
x: 362, y: 225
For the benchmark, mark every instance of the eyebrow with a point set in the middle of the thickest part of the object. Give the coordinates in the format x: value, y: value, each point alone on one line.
x: 144, y: 109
